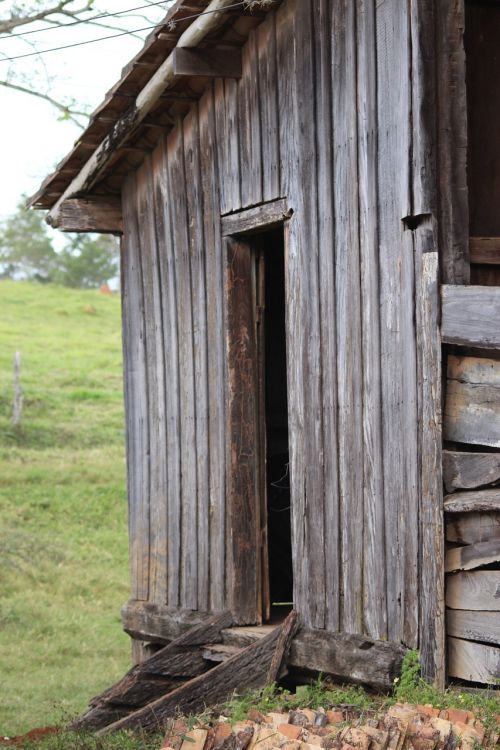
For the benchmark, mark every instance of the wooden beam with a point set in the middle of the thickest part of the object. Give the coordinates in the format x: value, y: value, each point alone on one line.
x: 472, y: 409
x: 463, y: 470
x: 467, y: 502
x: 478, y: 590
x: 100, y: 214
x: 259, y: 218
x: 210, y: 63
x: 473, y: 527
x: 473, y: 626
x: 470, y: 315
x: 485, y: 250
x: 244, y: 671
x: 155, y: 622
x: 474, y: 662
x: 352, y: 658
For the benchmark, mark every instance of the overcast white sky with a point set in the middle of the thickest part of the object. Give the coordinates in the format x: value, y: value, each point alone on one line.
x: 32, y: 140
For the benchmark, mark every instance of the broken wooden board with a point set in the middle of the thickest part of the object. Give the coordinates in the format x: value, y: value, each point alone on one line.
x: 472, y: 556
x: 247, y: 670
x: 471, y: 528
x: 463, y: 470
x: 472, y: 409
x: 473, y: 626
x: 469, y: 502
x: 470, y: 316
x: 178, y: 662
x: 479, y: 590
x: 475, y: 662
x: 347, y: 657
x: 155, y: 622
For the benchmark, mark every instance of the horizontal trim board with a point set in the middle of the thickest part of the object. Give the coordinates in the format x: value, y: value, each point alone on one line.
x: 473, y: 625
x: 480, y: 500
x: 463, y: 470
x: 261, y: 217
x: 97, y: 214
x: 472, y: 556
x: 485, y: 250
x: 156, y: 622
x: 473, y: 661
x: 470, y: 315
x: 479, y: 590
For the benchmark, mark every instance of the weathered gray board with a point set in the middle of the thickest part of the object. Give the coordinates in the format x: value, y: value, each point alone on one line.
x: 318, y: 78
x: 472, y: 410
x: 470, y: 316
x: 475, y: 662
x: 463, y: 470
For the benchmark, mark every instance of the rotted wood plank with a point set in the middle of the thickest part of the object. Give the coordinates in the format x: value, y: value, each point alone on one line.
x: 263, y: 217
x: 479, y: 590
x: 180, y: 660
x: 470, y: 316
x: 472, y: 556
x: 480, y: 500
x: 471, y: 528
x: 247, y: 669
x: 472, y: 411
x: 474, y: 662
x: 97, y: 214
x: 154, y: 622
x: 463, y: 470
x: 347, y: 657
x: 211, y: 63
x: 473, y: 626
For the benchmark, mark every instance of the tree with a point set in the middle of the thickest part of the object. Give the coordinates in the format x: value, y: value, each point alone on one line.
x: 27, y: 252
x: 25, y: 246
x: 87, y: 262
x: 24, y: 20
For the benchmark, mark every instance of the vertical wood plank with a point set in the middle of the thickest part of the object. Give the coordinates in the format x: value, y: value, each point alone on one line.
x: 216, y: 351
x: 243, y: 569
x: 347, y: 288
x: 156, y: 384
x: 189, y: 522
x: 374, y: 573
x: 249, y: 126
x: 164, y: 239
x: 322, y: 12
x: 135, y: 377
x: 198, y: 298
x: 269, y: 108
x: 398, y: 356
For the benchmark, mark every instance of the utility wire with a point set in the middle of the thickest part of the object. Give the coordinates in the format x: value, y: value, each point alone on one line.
x: 80, y: 20
x: 122, y: 33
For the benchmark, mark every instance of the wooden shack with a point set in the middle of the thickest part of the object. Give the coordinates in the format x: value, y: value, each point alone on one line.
x: 308, y: 195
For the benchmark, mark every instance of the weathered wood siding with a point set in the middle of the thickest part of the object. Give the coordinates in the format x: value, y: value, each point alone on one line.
x: 322, y: 116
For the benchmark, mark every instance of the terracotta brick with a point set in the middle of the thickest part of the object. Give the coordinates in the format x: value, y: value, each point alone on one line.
x: 291, y: 731
x: 456, y: 715
x: 294, y: 745
x: 194, y: 739
x: 256, y: 716
x: 428, y: 710
x: 335, y: 717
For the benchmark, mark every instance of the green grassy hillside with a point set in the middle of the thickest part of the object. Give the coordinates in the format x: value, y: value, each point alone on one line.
x: 63, y: 538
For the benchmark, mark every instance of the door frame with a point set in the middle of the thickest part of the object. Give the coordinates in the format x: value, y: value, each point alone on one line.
x: 246, y: 539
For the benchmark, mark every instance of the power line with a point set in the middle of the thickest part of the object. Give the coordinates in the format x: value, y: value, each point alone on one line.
x: 121, y: 33
x: 80, y: 20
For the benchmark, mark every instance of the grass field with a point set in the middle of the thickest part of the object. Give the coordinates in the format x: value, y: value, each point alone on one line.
x: 63, y: 538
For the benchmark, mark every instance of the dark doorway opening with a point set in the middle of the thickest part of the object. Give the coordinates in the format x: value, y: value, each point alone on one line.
x: 275, y: 479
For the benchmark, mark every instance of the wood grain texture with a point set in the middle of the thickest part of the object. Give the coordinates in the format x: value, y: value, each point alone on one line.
x: 473, y: 527
x: 260, y: 218
x: 248, y: 123
x: 211, y: 63
x: 470, y: 315
x: 102, y: 215
x: 431, y: 537
x: 347, y: 657
x: 472, y: 556
x: 473, y: 626
x: 485, y: 250
x: 474, y: 662
x: 479, y: 590
x: 136, y: 398
x: 480, y: 500
x: 159, y: 623
x: 472, y: 411
x: 374, y: 567
x: 463, y: 470
x: 268, y: 102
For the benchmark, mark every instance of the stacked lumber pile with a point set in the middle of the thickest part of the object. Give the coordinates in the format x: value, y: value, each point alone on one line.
x: 402, y: 727
x: 472, y: 522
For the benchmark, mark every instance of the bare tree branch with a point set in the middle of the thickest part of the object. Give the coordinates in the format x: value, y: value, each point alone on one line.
x: 66, y: 110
